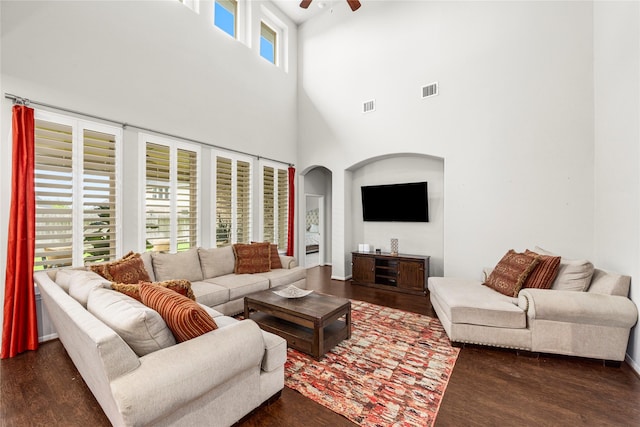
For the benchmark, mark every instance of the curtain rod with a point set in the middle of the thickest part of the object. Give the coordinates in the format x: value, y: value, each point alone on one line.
x: 26, y: 102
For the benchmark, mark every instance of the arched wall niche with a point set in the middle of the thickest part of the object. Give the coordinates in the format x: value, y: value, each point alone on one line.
x: 414, y: 238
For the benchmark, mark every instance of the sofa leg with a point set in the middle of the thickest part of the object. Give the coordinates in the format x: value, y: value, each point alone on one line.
x: 530, y: 354
x: 612, y: 363
x: 457, y: 344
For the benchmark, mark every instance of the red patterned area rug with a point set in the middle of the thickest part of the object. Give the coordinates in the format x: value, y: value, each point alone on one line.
x: 392, y: 372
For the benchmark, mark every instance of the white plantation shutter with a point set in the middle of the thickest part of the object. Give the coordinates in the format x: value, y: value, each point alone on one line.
x: 224, y: 201
x: 77, y: 193
x: 233, y: 201
x: 171, y: 199
x: 268, y: 208
x: 187, y: 199
x: 99, y: 196
x: 243, y: 202
x: 158, y: 195
x: 283, y: 207
x: 275, y: 200
x: 54, y: 194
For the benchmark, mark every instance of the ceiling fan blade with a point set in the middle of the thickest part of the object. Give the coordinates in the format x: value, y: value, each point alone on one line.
x: 305, y: 4
x: 353, y: 4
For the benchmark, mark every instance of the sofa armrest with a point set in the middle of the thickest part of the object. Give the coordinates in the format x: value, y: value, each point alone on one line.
x: 172, y: 377
x: 579, y: 307
x: 288, y: 262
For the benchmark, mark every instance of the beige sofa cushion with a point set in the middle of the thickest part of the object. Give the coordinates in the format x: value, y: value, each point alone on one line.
x: 466, y: 301
x: 210, y: 294
x: 239, y: 285
x: 142, y: 328
x: 573, y: 275
x: 283, y: 276
x: 64, y: 275
x: 181, y: 265
x: 83, y: 283
x: 216, y: 261
x: 148, y: 265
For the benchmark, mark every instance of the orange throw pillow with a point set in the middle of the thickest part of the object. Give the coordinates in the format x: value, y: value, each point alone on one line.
x: 509, y: 275
x: 544, y: 274
x: 253, y: 258
x: 184, y: 317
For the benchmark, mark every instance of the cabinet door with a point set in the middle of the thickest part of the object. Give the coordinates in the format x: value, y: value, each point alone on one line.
x: 363, y: 269
x: 411, y: 275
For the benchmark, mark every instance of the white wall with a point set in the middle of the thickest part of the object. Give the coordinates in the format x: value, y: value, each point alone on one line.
x: 617, y: 145
x: 154, y: 64
x: 513, y: 121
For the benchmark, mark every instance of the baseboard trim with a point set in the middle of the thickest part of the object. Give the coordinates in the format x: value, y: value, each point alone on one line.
x: 342, y: 278
x: 49, y: 337
x: 632, y: 364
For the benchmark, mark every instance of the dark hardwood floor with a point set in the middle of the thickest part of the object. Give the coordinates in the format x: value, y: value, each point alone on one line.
x: 488, y: 387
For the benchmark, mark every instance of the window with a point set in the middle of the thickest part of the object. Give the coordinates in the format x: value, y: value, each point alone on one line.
x: 171, y: 200
x: 275, y: 199
x: 77, y: 191
x: 232, y: 200
x: 225, y: 16
x: 191, y: 4
x: 268, y: 43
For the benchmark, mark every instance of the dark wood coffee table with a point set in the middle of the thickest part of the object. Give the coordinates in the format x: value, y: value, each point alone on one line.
x: 313, y: 324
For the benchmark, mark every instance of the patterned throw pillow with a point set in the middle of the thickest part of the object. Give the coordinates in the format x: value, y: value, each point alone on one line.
x: 253, y: 258
x: 511, y: 272
x: 181, y: 286
x: 543, y: 275
x: 128, y: 269
x: 185, y: 318
x: 275, y: 258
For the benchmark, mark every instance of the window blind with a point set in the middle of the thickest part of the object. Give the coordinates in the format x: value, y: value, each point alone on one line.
x: 187, y: 199
x: 233, y: 201
x: 158, y: 196
x: 54, y: 194
x: 224, y: 201
x: 269, y: 214
x: 283, y: 212
x: 99, y: 196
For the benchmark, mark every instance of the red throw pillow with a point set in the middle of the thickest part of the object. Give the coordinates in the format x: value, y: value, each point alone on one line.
x: 184, y: 317
x: 253, y: 258
x: 511, y: 272
x: 544, y: 274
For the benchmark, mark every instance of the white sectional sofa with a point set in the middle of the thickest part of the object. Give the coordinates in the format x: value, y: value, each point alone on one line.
x: 131, y: 362
x: 591, y: 320
x: 214, y: 283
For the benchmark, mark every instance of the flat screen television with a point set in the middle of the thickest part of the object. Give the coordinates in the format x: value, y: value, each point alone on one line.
x: 395, y: 202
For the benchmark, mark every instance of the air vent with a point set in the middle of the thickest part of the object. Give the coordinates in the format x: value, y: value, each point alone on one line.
x: 369, y: 106
x: 430, y: 90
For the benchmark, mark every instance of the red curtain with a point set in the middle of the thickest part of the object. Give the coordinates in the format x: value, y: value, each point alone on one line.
x: 20, y: 326
x: 291, y: 212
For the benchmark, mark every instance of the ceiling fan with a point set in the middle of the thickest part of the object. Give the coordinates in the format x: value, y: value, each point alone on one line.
x: 353, y: 4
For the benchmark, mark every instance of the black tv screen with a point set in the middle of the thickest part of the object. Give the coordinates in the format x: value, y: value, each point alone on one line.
x: 395, y: 202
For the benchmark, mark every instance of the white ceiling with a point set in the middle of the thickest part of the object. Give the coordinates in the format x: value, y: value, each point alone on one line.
x: 292, y: 9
